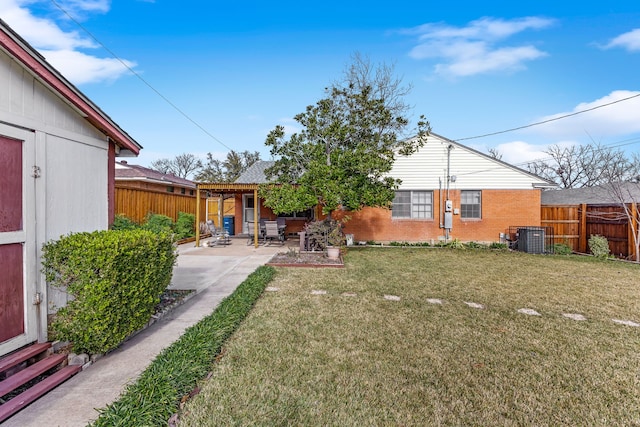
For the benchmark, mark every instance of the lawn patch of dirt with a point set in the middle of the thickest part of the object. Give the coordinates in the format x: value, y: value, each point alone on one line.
x: 304, y: 259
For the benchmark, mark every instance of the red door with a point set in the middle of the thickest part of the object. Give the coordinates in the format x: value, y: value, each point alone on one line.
x: 12, y: 240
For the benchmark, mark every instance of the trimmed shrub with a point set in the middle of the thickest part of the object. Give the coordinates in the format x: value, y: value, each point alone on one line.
x: 185, y: 225
x: 121, y: 222
x: 158, y: 224
x: 115, y: 278
x: 599, y: 246
x: 175, y: 372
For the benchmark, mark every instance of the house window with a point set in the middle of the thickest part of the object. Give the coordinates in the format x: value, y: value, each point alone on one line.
x: 470, y: 204
x: 170, y: 189
x: 308, y: 214
x: 413, y: 204
x: 183, y: 190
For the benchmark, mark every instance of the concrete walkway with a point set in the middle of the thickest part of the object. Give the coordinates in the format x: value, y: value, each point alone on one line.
x: 214, y: 272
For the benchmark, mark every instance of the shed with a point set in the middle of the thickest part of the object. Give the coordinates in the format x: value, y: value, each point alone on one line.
x: 57, y: 168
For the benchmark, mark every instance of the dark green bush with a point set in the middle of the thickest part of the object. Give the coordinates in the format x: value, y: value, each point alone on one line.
x: 121, y: 222
x: 185, y: 225
x: 562, y: 249
x: 496, y: 245
x: 116, y: 279
x: 156, y: 395
x: 158, y: 224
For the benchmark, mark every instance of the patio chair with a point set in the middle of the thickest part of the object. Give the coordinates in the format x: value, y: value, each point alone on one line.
x: 218, y: 236
x: 251, y: 232
x: 272, y: 232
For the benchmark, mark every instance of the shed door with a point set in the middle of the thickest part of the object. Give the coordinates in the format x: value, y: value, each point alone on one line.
x: 17, y: 317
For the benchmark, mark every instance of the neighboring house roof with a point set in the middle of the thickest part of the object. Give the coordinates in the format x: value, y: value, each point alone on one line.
x: 36, y: 64
x: 127, y: 172
x: 255, y: 174
x: 600, y: 195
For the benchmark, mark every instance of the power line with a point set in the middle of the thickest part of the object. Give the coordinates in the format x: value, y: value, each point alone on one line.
x: 522, y: 165
x: 175, y: 107
x: 549, y: 120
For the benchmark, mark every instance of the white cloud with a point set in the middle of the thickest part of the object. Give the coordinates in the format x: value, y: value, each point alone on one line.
x: 629, y: 41
x: 65, y: 50
x: 476, y: 48
x: 81, y: 68
x: 519, y: 153
x: 618, y: 119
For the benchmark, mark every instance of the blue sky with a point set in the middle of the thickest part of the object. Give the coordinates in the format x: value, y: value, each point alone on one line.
x: 211, y: 76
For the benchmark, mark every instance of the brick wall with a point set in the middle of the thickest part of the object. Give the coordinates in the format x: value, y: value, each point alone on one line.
x: 500, y: 210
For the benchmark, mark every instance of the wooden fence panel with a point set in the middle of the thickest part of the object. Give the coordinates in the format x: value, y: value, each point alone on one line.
x: 610, y: 222
x: 565, y: 221
x: 213, y: 209
x: 574, y: 224
x: 136, y: 204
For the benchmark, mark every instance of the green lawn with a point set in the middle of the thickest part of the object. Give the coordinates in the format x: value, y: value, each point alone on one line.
x: 354, y: 360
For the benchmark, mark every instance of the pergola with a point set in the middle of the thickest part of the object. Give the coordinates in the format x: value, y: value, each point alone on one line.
x: 225, y: 187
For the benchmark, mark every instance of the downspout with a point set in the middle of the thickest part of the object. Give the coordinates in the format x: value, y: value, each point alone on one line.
x: 441, y: 203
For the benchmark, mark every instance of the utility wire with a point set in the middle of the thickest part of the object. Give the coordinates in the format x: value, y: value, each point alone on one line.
x: 175, y: 107
x: 227, y: 147
x: 549, y: 120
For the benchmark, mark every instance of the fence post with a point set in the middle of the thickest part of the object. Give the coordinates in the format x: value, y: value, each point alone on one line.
x: 582, y: 233
x: 633, y: 231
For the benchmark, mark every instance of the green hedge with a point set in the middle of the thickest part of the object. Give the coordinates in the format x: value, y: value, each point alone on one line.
x: 185, y: 225
x: 183, y: 228
x: 115, y: 278
x: 155, y: 396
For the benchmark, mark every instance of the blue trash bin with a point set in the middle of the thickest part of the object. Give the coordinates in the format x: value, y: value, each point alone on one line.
x: 227, y: 224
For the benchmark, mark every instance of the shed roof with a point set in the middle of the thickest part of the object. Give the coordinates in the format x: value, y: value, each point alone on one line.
x: 37, y: 65
x: 128, y: 172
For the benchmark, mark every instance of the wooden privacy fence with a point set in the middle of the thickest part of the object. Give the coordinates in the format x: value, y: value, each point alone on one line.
x: 575, y: 224
x: 136, y: 204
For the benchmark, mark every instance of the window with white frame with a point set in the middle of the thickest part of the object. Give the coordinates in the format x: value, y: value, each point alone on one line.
x: 413, y: 204
x: 471, y: 204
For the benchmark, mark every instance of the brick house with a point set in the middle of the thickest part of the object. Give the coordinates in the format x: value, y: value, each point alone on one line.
x: 486, y: 196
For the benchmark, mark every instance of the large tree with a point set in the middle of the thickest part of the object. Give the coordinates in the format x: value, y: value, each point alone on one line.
x: 228, y: 170
x: 585, y: 165
x: 183, y: 165
x: 348, y: 143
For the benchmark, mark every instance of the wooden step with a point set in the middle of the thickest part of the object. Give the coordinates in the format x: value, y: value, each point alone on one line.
x: 14, y: 381
x: 21, y: 401
x: 23, y: 354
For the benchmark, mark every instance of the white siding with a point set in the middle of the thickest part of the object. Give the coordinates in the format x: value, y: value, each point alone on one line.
x: 27, y: 102
x: 473, y: 171
x: 76, y: 177
x: 71, y: 193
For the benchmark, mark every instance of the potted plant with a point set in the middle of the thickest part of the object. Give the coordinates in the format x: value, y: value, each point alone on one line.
x: 335, y: 239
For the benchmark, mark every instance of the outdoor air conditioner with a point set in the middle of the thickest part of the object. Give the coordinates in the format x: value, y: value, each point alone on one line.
x: 531, y: 240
